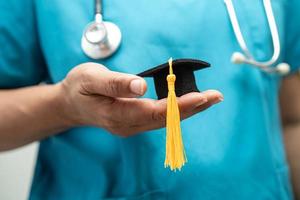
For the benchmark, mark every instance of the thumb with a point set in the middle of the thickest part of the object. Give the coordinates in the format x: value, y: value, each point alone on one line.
x: 113, y: 84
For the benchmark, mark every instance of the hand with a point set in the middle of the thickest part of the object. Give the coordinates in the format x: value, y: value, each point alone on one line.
x: 99, y: 97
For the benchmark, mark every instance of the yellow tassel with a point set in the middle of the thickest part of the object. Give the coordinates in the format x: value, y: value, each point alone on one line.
x: 175, y: 154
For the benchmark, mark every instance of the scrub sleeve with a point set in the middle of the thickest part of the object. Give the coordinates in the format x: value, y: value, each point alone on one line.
x: 21, y: 60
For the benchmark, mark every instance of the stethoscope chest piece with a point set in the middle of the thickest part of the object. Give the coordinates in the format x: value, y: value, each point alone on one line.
x: 100, y: 39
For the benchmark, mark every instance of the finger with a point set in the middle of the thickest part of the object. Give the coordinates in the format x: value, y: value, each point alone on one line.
x: 145, y: 111
x: 99, y: 80
x: 156, y: 117
x: 212, y: 96
x: 147, y: 114
x: 189, y: 105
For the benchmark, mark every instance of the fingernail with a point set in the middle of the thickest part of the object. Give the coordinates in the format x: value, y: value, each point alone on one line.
x: 136, y: 87
x: 218, y: 100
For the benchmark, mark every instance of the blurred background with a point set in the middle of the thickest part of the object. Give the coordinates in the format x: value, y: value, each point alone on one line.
x: 16, y: 170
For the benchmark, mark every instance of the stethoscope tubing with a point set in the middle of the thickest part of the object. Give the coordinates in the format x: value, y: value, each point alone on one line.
x: 248, y: 58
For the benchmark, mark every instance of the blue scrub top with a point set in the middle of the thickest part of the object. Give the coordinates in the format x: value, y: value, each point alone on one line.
x: 235, y: 149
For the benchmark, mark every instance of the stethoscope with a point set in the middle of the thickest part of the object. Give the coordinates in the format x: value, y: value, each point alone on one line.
x: 246, y: 57
x: 101, y: 39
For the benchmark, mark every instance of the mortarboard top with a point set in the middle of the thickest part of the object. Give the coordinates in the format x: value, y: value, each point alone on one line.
x: 185, y: 79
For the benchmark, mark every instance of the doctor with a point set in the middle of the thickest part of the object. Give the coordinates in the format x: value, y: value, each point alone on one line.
x: 235, y: 148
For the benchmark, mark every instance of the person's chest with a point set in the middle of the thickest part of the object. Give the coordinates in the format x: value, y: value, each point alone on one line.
x: 153, y: 31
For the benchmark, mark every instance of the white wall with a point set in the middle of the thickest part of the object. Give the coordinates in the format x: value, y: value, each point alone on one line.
x: 16, y: 169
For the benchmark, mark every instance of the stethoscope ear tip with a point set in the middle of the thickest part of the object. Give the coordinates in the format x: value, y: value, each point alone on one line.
x: 238, y: 58
x: 283, y: 68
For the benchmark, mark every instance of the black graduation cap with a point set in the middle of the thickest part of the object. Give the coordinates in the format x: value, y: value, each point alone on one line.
x: 185, y: 79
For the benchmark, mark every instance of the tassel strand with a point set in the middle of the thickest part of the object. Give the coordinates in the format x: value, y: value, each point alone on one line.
x: 175, y: 153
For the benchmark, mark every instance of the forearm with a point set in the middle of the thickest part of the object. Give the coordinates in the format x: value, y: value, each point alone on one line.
x: 90, y: 95
x: 290, y: 113
x: 292, y: 146
x: 30, y: 114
